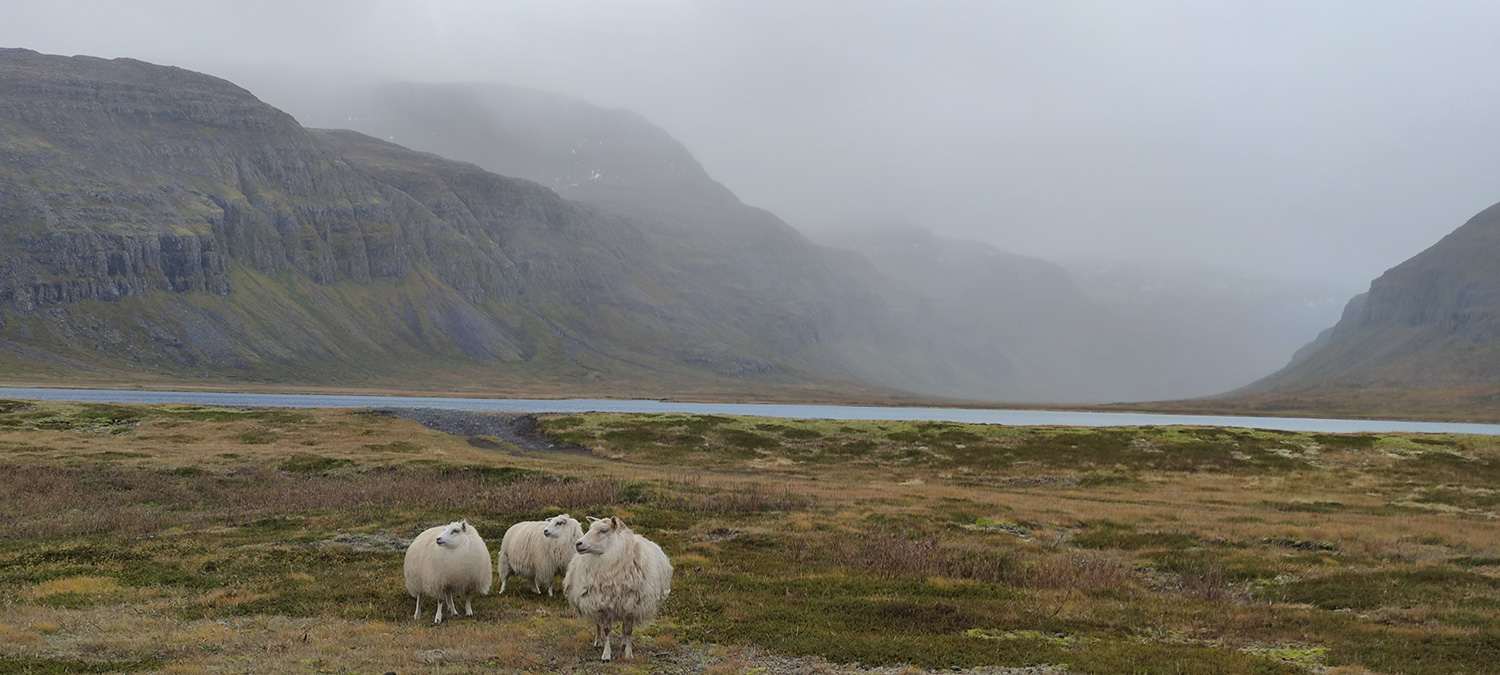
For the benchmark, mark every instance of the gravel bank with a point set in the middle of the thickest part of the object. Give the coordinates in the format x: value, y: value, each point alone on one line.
x: 515, y: 428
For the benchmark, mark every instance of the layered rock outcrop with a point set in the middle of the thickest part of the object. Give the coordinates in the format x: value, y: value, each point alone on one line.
x: 126, y: 183
x: 1430, y: 322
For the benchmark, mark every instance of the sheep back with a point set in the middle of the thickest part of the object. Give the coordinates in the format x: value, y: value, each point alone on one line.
x: 534, y: 556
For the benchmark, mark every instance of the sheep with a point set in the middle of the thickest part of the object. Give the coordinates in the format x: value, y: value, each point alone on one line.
x: 446, y: 561
x: 618, y: 575
x: 538, y: 550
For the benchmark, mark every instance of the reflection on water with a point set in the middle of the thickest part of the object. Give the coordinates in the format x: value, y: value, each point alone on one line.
x: 838, y: 412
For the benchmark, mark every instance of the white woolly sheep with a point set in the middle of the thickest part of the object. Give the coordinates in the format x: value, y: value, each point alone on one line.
x: 446, y: 561
x: 618, y: 575
x: 538, y: 550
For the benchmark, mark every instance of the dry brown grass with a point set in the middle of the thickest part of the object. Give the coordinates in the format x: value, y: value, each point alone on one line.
x: 1072, y: 570
x: 900, y: 556
x: 739, y: 499
x: 293, y: 645
x: 54, y: 502
x: 176, y: 436
x: 1210, y: 553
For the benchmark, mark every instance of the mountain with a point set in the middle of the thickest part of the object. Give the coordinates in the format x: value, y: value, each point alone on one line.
x: 160, y: 222
x: 581, y: 150
x: 1424, y: 340
x: 1018, y: 328
x: 825, y: 310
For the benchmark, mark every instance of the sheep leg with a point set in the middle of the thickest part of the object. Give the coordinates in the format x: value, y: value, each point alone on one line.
x: 598, y: 635
x: 504, y: 571
x: 606, y: 643
x: 418, y: 614
x: 451, y: 608
x: 625, y: 626
x: 468, y: 610
x: 438, y: 618
x: 536, y: 584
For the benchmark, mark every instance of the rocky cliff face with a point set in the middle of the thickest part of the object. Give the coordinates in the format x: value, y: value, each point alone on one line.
x: 124, y: 185
x: 1453, y: 287
x: 1430, y: 322
x: 120, y: 177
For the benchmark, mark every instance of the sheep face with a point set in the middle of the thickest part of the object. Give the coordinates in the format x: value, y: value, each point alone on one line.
x: 454, y: 534
x: 557, y: 526
x: 602, y: 533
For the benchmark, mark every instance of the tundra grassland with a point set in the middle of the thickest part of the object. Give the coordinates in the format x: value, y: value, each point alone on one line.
x: 189, y: 539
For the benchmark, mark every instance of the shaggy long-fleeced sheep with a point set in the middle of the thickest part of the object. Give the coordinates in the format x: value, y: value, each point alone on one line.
x: 446, y: 561
x: 538, y: 550
x: 618, y: 575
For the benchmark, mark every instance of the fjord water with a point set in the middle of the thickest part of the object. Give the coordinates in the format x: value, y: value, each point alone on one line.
x: 832, y: 412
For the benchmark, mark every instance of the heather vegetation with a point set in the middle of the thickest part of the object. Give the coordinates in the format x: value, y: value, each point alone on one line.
x: 187, y: 539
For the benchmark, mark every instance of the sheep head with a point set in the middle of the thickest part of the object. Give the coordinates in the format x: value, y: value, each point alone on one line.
x: 454, y: 534
x: 602, y: 533
x: 557, y: 526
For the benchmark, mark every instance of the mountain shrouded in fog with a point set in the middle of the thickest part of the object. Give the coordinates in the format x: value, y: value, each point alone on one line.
x: 1020, y: 320
x: 166, y: 222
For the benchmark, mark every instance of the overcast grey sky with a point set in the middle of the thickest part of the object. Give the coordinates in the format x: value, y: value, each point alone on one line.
x: 1325, y: 140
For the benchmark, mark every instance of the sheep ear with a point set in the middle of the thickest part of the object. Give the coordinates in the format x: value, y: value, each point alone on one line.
x: 616, y: 521
x: 463, y: 526
x: 591, y: 519
x: 566, y: 517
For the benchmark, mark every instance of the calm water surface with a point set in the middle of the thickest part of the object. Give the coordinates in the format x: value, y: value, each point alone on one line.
x: 833, y: 412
